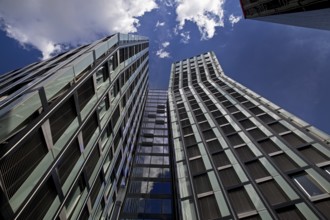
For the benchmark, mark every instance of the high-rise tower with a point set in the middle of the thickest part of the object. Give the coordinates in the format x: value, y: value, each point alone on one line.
x: 150, y: 193
x: 68, y: 127
x: 239, y: 156
x: 304, y: 13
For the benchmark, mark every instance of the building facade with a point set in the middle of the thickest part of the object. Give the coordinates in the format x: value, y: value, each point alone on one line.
x: 239, y: 156
x: 304, y: 13
x: 68, y: 127
x: 150, y: 193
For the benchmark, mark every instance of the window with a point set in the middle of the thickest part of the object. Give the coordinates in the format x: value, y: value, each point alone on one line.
x: 134, y: 205
x: 153, y: 206
x: 256, y: 110
x: 229, y: 177
x: 61, y: 119
x: 293, y: 139
x: 228, y: 129
x: 159, y: 149
x: 68, y: 160
x: 213, y: 146
x: 235, y: 139
x: 240, y: 200
x: 209, y: 134
x: 247, y: 124
x: 185, y: 122
x: 278, y: 127
x: 256, y: 169
x: 239, y: 98
x: 143, y: 159
x: 38, y: 207
x: 216, y: 113
x: 268, y: 146
x: 245, y: 153
x: 273, y: 193
x: 309, y: 185
x: 266, y: 118
x: 85, y: 93
x: 190, y: 140
x: 257, y: 134
x: 220, y: 159
x: 209, y: 208
x: 89, y: 129
x: 200, y: 118
x: 166, y: 206
x: 187, y: 130
x: 92, y: 161
x: 17, y: 166
x: 290, y: 212
x: 193, y: 151
x: 141, y: 172
x: 101, y: 76
x: 197, y: 166
x: 324, y: 207
x: 204, y: 126
x: 155, y: 172
x: 221, y: 120
x: 159, y: 187
x: 145, y: 149
x: 202, y: 183
x: 103, y: 107
x: 313, y: 155
x: 157, y: 160
x: 74, y: 196
x: 239, y: 115
x: 284, y: 162
x: 232, y: 109
x: 248, y: 104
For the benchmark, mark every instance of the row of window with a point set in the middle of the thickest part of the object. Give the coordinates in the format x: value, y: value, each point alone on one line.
x: 269, y: 188
x: 150, y: 180
x: 35, y: 157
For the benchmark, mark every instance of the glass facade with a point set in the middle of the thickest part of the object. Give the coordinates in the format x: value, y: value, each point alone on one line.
x: 239, y: 156
x: 68, y: 127
x: 304, y: 13
x: 150, y: 189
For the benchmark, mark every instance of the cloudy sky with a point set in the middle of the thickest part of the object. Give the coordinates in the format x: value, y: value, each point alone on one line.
x: 285, y: 64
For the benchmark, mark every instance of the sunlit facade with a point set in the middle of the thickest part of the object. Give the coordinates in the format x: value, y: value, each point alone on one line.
x: 68, y: 127
x: 239, y: 156
x: 304, y: 13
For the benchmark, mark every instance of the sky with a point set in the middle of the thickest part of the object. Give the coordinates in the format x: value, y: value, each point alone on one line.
x: 286, y: 64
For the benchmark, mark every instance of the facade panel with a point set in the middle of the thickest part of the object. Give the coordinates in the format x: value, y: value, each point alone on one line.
x: 304, y: 13
x: 240, y: 154
x: 68, y: 127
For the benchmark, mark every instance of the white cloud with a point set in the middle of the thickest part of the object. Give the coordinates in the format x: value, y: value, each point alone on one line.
x: 234, y: 19
x: 169, y: 3
x: 165, y: 44
x: 207, y: 14
x: 161, y: 53
x: 160, y: 24
x: 47, y: 25
x: 185, y: 37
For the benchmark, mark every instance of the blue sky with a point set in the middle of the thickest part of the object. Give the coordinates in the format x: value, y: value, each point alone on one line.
x: 287, y: 65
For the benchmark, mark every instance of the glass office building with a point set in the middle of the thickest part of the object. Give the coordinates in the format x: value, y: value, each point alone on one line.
x: 304, y: 13
x: 239, y: 156
x: 150, y: 193
x: 68, y: 127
